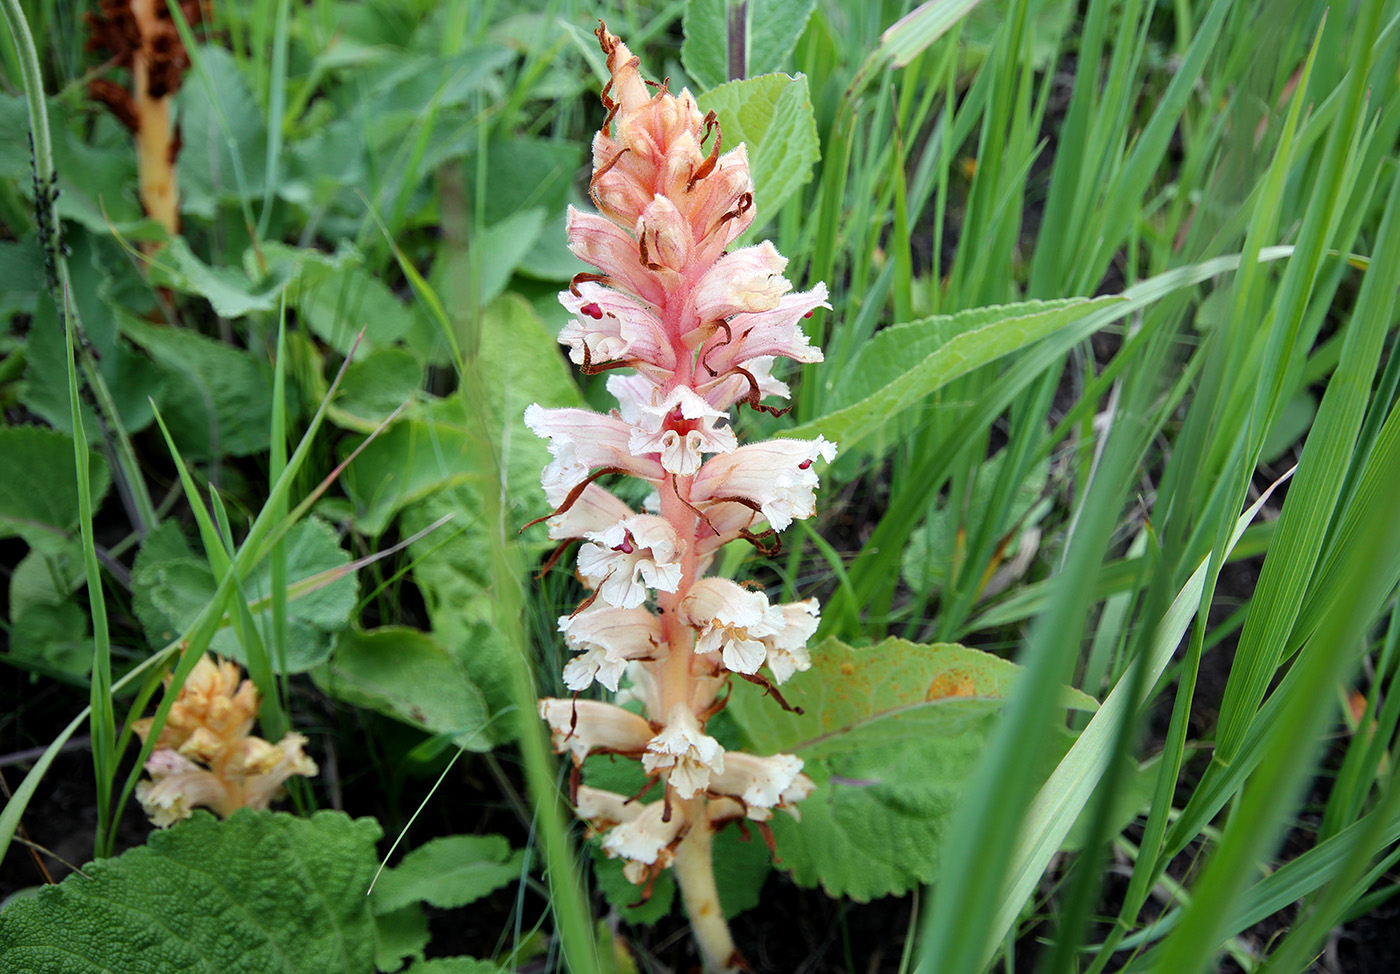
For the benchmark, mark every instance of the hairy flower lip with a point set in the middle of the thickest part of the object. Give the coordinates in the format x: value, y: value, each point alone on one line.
x: 683, y: 750
x: 583, y: 727
x: 768, y: 474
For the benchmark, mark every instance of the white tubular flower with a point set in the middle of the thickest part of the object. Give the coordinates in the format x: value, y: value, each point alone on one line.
x: 583, y: 727
x: 274, y: 765
x: 749, y: 279
x: 732, y: 621
x: 605, y: 809
x: 685, y: 751
x: 626, y: 558
x: 595, y: 509
x: 582, y: 441
x: 613, y: 327
x: 646, y: 841
x: 787, y: 650
x: 762, y: 782
x: 681, y: 428
x: 177, y: 787
x: 775, y: 332
x: 608, y: 639
x: 775, y: 476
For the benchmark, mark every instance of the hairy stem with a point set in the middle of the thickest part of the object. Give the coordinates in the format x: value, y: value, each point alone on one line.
x: 695, y: 874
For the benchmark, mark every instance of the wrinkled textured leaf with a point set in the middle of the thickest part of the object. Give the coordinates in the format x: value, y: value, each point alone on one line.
x: 169, y: 591
x: 889, y: 734
x: 39, y: 488
x: 773, y: 115
x: 260, y: 893
x: 448, y: 872
x: 218, y: 399
x: 941, y: 348
x: 403, y: 673
x: 455, y: 965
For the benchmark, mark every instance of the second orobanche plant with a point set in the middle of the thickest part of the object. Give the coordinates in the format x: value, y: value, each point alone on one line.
x: 699, y: 327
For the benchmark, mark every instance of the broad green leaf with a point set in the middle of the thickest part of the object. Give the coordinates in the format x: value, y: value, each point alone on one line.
x: 772, y: 114
x: 889, y: 734
x: 979, y: 336
x: 524, y: 174
x: 218, y: 399
x: 170, y: 591
x: 705, y: 50
x: 260, y: 893
x: 337, y: 298
x: 884, y: 696
x: 403, y: 673
x: 765, y: 36
x: 455, y: 965
x: 484, y: 269
x: 409, y: 461
x: 452, y: 571
x: 224, y: 156
x: 374, y: 385
x: 39, y: 489
x: 400, y: 936
x: 133, y: 379
x: 50, y: 631
x: 520, y: 363
x: 228, y: 289
x: 448, y: 872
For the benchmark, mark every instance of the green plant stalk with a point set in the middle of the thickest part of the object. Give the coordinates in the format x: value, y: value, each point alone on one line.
x: 60, y: 281
x: 103, y: 723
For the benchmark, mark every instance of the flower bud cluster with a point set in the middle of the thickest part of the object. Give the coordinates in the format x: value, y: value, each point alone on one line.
x: 206, y: 754
x: 698, y: 328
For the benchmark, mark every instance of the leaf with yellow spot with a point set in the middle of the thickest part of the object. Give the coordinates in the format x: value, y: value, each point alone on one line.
x: 889, y: 733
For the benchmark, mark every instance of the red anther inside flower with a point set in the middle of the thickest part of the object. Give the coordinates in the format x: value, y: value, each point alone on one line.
x: 809, y: 314
x: 805, y: 465
x: 596, y: 313
x: 626, y: 547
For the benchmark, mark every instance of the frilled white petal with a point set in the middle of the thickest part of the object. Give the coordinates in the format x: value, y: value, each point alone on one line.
x: 763, y: 782
x: 776, y: 475
x: 628, y: 557
x: 582, y: 441
x: 732, y: 621
x: 749, y: 279
x: 646, y: 840
x: 681, y: 427
x: 787, y: 650
x: 685, y: 752
x: 608, y: 638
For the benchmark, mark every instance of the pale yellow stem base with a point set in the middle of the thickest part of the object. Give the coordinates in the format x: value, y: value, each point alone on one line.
x: 695, y: 874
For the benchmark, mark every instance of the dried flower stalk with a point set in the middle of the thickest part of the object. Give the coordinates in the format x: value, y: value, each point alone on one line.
x: 206, y: 754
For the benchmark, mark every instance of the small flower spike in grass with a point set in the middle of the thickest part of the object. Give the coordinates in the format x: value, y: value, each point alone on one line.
x: 141, y: 36
x: 206, y: 755
x: 699, y: 328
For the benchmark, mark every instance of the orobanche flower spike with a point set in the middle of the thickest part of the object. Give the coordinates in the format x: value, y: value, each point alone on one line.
x: 699, y: 327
